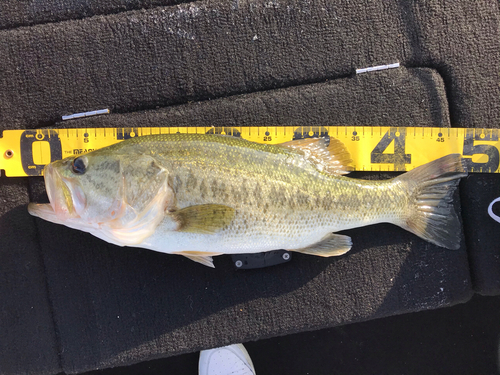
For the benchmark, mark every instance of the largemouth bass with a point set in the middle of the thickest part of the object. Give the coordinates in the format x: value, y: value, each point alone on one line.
x: 205, y: 195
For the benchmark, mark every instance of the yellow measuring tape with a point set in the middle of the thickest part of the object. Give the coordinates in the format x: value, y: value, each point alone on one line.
x: 26, y: 152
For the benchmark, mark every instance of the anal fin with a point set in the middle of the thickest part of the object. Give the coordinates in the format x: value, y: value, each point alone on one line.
x: 331, y: 245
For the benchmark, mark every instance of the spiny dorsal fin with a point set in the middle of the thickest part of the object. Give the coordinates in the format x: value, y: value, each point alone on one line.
x: 331, y: 245
x: 203, y: 218
x: 332, y: 158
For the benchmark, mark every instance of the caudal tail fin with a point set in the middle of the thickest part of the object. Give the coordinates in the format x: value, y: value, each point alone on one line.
x: 431, y: 214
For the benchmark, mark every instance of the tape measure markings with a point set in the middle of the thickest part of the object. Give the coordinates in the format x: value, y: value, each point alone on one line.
x: 25, y: 152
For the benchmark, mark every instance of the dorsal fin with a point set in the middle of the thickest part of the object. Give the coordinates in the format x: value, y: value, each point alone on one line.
x: 330, y: 157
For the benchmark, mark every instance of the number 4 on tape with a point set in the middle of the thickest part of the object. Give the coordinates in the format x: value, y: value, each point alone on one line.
x: 399, y: 158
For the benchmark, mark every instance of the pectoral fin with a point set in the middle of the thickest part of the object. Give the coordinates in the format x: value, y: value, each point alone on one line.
x: 199, y: 257
x: 330, y: 246
x: 203, y: 218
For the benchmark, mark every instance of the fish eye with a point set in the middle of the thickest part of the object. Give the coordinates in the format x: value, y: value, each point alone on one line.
x: 78, y: 166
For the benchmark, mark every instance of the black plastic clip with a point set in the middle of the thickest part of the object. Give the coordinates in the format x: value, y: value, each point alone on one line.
x: 261, y: 260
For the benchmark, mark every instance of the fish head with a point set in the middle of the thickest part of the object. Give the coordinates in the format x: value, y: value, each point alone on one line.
x: 87, y: 187
x: 118, y: 196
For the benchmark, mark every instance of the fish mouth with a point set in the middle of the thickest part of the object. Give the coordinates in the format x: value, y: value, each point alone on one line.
x: 67, y: 200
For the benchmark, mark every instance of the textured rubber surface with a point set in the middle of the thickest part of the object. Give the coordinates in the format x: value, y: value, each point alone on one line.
x: 410, y: 344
